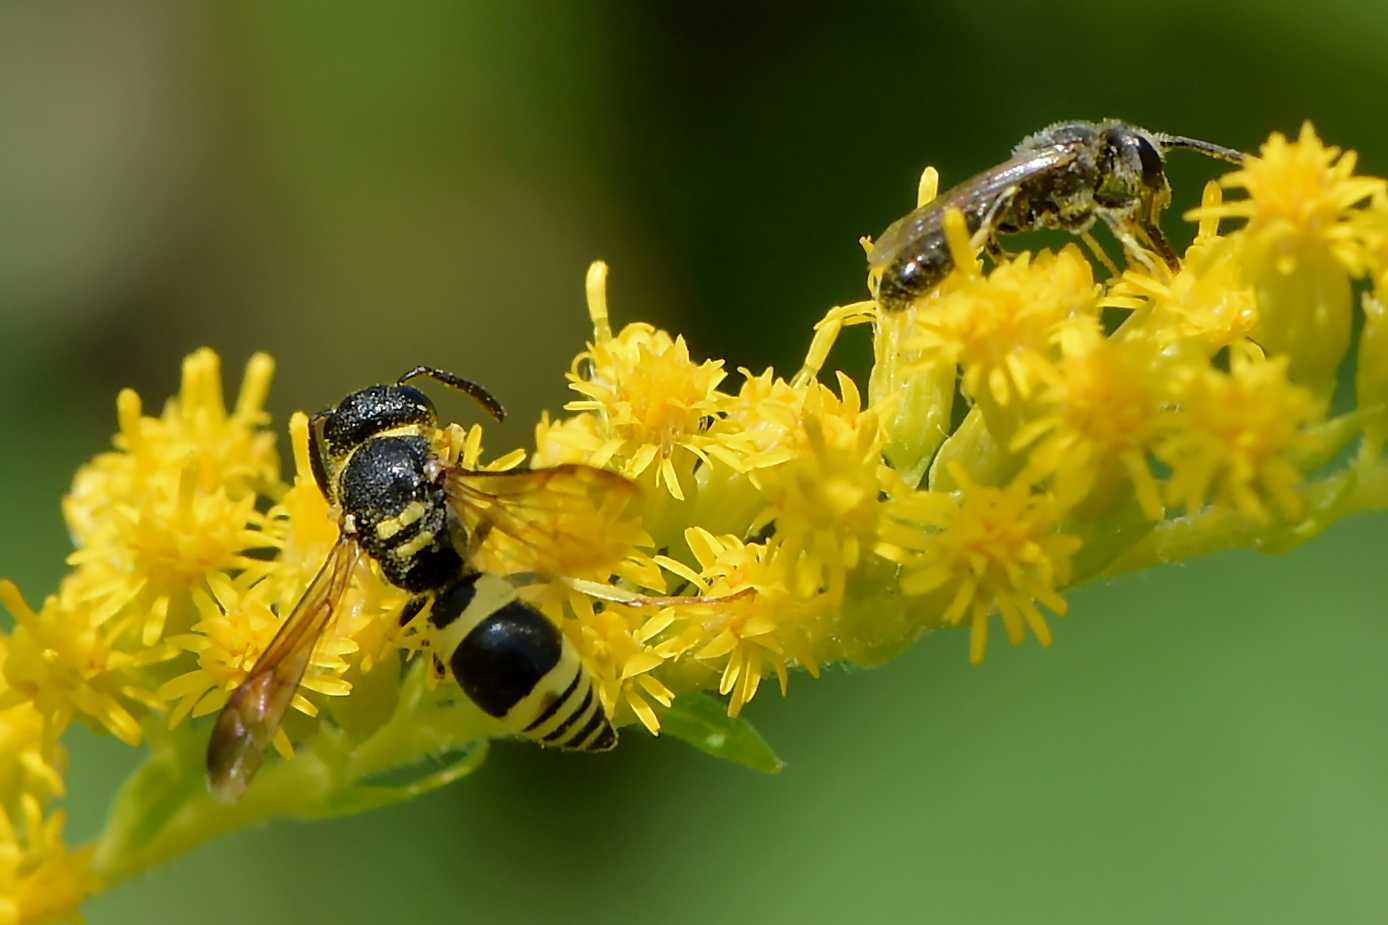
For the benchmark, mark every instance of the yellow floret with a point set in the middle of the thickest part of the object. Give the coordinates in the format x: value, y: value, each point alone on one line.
x: 41, y: 881
x: 990, y: 548
x: 999, y: 329
x: 64, y: 665
x: 1098, y: 420
x: 649, y: 398
x: 1230, y: 436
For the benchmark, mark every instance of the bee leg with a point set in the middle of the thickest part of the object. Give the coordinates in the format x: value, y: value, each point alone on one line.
x: 1135, y: 252
x: 986, y: 235
x: 1153, y: 233
x: 999, y: 254
x: 1098, y: 253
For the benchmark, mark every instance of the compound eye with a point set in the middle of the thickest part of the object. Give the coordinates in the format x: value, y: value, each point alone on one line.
x: 371, y: 411
x: 1152, y: 168
x: 415, y: 397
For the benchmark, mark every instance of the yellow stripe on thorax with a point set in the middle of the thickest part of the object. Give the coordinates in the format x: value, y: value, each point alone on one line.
x: 393, y: 525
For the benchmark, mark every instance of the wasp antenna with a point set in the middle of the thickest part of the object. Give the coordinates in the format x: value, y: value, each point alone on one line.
x: 1218, y: 152
x: 466, y: 386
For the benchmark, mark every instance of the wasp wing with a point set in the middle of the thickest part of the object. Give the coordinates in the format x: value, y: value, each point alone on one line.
x: 974, y: 197
x: 247, y: 724
x: 556, y: 520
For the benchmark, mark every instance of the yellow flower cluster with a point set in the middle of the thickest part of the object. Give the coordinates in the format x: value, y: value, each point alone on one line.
x: 40, y: 879
x: 785, y: 523
x: 1081, y: 394
x: 176, y: 584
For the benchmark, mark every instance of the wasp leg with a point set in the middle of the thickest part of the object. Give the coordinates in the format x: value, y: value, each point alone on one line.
x: 413, y: 607
x: 479, y: 536
x: 315, y: 453
x: 466, y: 386
x: 604, y: 592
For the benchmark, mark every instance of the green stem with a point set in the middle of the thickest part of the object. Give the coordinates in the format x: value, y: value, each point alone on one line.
x: 164, y: 809
x: 1363, y: 487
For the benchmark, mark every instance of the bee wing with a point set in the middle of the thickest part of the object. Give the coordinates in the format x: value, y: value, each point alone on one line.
x: 551, y: 513
x: 974, y: 197
x: 248, y: 722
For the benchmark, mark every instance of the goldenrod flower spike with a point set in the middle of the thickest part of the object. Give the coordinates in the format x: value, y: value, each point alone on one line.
x: 787, y: 523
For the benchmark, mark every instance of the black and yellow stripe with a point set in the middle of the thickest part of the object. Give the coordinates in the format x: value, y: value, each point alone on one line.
x: 517, y: 666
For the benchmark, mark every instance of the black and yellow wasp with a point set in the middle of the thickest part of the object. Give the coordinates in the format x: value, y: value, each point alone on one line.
x: 422, y: 519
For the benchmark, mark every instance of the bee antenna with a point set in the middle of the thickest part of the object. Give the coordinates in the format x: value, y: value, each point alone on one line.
x: 1204, y: 147
x: 466, y: 386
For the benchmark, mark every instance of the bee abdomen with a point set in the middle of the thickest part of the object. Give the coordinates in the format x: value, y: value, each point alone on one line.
x: 516, y: 665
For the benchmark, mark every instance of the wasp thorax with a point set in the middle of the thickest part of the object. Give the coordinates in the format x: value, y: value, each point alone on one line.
x: 401, y: 514
x: 378, y: 464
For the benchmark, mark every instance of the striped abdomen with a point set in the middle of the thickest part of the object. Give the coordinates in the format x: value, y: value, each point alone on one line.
x: 516, y: 665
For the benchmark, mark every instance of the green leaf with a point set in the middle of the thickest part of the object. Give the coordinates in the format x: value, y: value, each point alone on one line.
x: 405, y: 782
x: 704, y: 723
x: 1332, y: 437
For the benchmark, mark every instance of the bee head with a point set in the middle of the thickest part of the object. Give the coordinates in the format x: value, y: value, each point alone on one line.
x: 1132, y: 169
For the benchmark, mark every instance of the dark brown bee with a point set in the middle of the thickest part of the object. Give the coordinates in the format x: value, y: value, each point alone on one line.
x: 1066, y: 176
x: 422, y: 519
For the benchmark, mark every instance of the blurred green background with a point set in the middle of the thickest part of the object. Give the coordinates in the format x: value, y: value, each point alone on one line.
x: 359, y: 188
